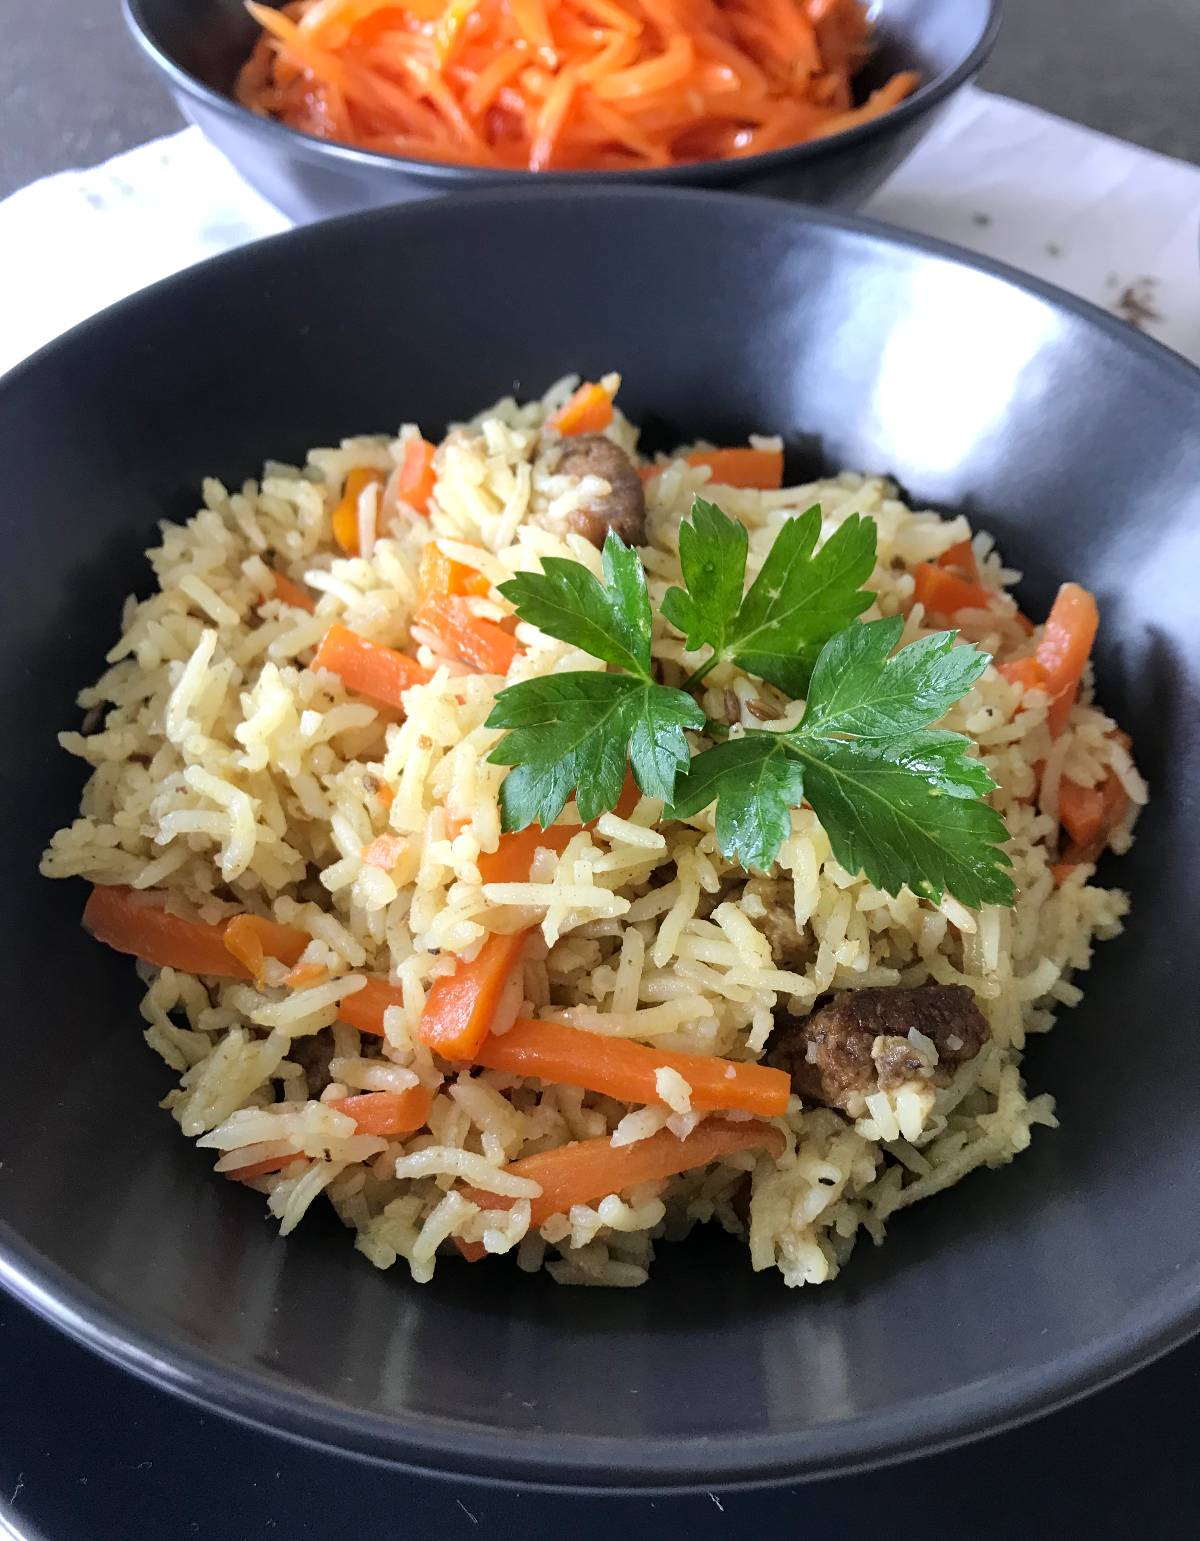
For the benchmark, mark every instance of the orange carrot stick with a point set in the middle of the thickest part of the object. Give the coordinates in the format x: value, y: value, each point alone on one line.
x: 416, y: 478
x: 439, y: 575
x: 1065, y: 647
x: 460, y: 1007
x: 262, y: 1168
x: 291, y: 593
x: 305, y: 974
x: 592, y: 1169
x: 944, y: 593
x: 251, y: 939
x: 511, y: 860
x: 387, y: 1113
x: 960, y: 559
x: 345, y: 515
x: 480, y: 643
x: 138, y: 923
x: 383, y: 852
x: 761, y: 468
x: 1090, y: 814
x: 589, y: 410
x: 368, y: 668
x: 618, y: 1068
x: 365, y: 1008
x: 1026, y: 672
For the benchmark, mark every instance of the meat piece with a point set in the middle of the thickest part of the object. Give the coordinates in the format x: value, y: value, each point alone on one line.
x: 622, y: 508
x: 313, y: 1055
x: 858, y: 1043
x: 790, y: 947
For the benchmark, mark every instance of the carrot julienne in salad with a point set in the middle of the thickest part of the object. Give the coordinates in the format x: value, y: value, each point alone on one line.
x: 548, y: 85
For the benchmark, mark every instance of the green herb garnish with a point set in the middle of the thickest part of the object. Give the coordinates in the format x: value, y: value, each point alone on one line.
x: 797, y: 602
x: 899, y: 800
x: 573, y: 733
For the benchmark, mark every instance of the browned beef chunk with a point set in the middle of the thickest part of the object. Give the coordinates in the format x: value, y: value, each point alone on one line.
x: 313, y: 1055
x: 858, y: 1043
x: 790, y: 947
x: 622, y: 508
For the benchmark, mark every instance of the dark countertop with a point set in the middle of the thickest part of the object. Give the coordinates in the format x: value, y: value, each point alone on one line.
x: 88, y: 1454
x: 1129, y: 70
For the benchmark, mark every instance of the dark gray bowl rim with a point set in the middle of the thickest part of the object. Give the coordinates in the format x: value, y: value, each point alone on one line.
x: 551, y: 1461
x: 922, y: 100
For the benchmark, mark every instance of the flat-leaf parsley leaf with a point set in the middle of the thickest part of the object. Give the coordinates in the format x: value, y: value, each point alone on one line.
x: 898, y: 803
x: 574, y: 733
x: 797, y: 602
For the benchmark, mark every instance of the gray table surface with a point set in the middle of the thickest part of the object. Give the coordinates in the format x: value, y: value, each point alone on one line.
x: 1129, y: 69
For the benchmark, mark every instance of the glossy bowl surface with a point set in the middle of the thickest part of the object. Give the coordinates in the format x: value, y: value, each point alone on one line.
x: 1072, y: 438
x: 199, y: 46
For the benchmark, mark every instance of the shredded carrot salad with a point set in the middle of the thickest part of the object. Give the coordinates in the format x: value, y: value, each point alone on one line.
x: 544, y: 85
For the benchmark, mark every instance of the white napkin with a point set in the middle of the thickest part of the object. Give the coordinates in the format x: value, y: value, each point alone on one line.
x: 1111, y: 222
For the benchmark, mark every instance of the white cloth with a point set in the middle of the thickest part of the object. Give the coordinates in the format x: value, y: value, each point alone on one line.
x: 1111, y: 222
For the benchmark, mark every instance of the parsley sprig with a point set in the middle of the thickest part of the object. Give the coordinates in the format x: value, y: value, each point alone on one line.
x: 797, y: 602
x: 899, y: 799
x: 574, y: 732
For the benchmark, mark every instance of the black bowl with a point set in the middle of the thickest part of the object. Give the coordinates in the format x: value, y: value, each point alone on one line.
x: 199, y: 46
x: 1071, y: 437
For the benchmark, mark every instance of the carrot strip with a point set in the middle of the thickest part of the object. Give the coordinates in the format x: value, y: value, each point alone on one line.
x: 589, y: 410
x: 482, y: 90
x: 1065, y: 647
x: 251, y: 939
x: 667, y: 69
x: 365, y: 1008
x: 345, y: 515
x: 532, y: 23
x: 305, y: 974
x: 960, y: 559
x: 417, y: 477
x: 551, y: 120
x: 450, y: 28
x: 550, y: 84
x: 944, y: 593
x: 135, y: 922
x: 439, y: 575
x: 893, y: 91
x: 387, y: 1113
x: 291, y: 593
x: 368, y: 668
x: 1090, y: 814
x: 511, y: 860
x: 592, y: 1169
x: 384, y: 852
x: 481, y: 643
x: 1026, y: 672
x: 460, y: 1007
x: 761, y: 468
x: 612, y: 15
x: 1080, y: 811
x: 262, y: 1168
x: 618, y: 1068
x: 132, y: 921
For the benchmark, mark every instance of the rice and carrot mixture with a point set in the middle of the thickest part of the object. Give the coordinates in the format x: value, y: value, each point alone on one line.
x: 320, y: 897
